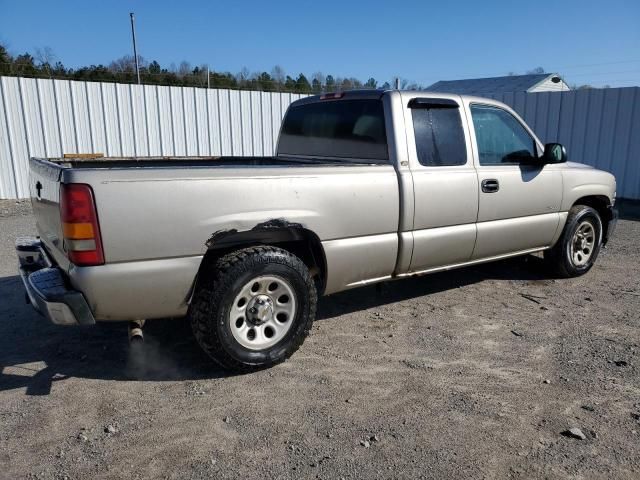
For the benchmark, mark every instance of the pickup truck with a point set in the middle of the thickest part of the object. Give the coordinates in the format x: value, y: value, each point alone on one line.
x: 365, y: 187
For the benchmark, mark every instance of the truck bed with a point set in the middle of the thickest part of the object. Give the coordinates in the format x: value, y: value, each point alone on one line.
x: 158, y: 216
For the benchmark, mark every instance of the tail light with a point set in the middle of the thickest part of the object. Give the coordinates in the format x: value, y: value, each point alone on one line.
x: 331, y: 96
x: 80, y: 227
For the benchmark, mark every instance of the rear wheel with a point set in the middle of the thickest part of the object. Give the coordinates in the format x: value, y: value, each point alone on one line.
x: 577, y: 249
x: 254, y: 309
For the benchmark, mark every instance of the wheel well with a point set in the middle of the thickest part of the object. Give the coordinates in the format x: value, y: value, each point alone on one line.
x: 600, y: 204
x: 297, y: 240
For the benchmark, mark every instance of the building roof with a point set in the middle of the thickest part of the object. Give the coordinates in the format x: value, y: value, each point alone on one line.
x: 474, y: 86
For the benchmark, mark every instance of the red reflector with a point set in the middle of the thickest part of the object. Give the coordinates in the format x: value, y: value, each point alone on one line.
x: 77, y: 206
x: 331, y: 96
x: 86, y: 259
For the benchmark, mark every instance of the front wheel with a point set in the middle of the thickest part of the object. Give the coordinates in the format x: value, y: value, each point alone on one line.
x: 577, y: 249
x: 254, y: 309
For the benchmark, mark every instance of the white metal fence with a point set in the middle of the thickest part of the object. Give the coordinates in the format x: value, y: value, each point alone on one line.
x: 41, y: 117
x: 599, y: 127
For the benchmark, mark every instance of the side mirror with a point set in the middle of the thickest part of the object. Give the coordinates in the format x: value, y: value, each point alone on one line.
x: 554, y: 153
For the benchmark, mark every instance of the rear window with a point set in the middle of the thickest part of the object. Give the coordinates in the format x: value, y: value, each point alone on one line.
x: 344, y: 128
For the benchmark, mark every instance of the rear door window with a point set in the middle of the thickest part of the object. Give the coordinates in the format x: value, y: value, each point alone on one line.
x: 344, y: 128
x: 439, y: 136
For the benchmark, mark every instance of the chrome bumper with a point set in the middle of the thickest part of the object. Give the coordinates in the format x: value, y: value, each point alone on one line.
x: 46, y: 286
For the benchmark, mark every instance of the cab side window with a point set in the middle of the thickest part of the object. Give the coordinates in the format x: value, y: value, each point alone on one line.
x: 439, y: 136
x: 500, y: 137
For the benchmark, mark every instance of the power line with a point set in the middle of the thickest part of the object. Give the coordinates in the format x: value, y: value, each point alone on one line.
x: 599, y: 64
x: 469, y: 76
x: 603, y: 73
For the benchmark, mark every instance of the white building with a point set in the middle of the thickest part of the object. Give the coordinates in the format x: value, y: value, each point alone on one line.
x: 533, y: 83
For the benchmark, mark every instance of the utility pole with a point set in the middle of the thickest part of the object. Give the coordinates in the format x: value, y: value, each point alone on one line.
x: 135, y: 49
x: 397, y: 83
x: 208, y: 82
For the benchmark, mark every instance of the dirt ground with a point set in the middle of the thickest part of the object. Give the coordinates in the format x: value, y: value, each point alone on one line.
x: 467, y: 374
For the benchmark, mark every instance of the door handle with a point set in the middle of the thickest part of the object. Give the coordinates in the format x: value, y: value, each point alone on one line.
x: 490, y: 185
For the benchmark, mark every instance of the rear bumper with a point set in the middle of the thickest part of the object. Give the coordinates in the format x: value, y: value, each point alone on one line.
x: 47, y: 288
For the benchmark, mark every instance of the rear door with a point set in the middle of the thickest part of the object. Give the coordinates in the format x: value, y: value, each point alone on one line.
x: 445, y: 181
x: 519, y: 203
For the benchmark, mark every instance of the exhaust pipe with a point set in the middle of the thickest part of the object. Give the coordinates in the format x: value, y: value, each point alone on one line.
x: 135, y: 332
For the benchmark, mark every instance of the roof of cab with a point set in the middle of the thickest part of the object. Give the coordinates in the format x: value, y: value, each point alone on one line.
x: 376, y: 94
x: 362, y: 94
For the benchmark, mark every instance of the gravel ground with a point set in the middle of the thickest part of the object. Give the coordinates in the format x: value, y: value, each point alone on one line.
x: 467, y: 374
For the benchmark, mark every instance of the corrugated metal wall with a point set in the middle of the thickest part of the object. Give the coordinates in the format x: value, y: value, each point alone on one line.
x: 599, y: 127
x: 50, y: 117
x: 41, y: 117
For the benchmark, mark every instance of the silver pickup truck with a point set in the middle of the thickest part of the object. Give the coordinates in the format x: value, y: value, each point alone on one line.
x: 366, y: 186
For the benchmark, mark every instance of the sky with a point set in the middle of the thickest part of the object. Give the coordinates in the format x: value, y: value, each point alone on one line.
x: 587, y: 42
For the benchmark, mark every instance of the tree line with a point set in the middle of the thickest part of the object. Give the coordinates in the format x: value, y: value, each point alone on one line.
x: 43, y: 64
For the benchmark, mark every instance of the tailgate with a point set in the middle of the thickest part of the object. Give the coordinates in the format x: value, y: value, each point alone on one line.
x: 44, y: 189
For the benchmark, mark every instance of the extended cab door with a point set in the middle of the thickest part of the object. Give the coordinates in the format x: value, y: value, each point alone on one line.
x: 519, y: 203
x: 444, y: 181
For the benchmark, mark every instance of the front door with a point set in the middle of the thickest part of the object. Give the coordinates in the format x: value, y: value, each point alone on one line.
x: 519, y: 203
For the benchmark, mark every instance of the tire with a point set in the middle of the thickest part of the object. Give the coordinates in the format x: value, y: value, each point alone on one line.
x: 574, y: 254
x: 243, y: 328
